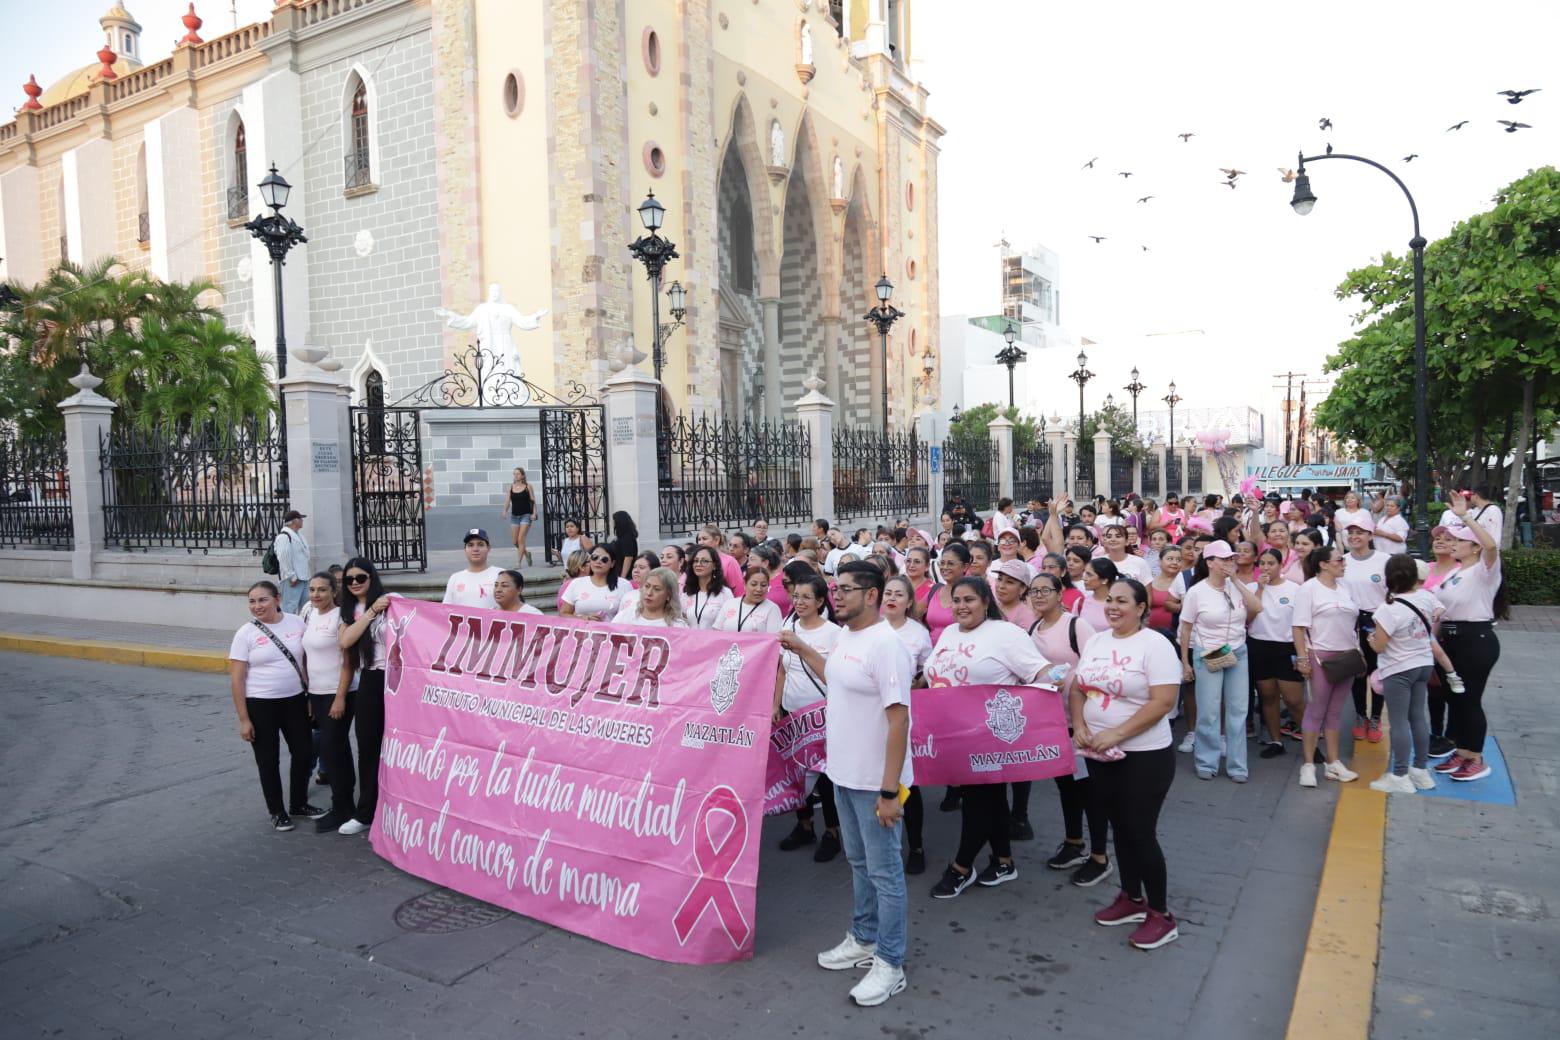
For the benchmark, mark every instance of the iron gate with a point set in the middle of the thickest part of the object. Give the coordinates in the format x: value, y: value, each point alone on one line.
x: 387, y: 488
x: 574, y: 473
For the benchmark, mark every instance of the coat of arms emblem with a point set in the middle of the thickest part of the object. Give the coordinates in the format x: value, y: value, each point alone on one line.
x: 1005, y: 717
x: 723, y: 688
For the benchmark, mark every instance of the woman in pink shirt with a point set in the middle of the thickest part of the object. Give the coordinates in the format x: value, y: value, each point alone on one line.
x: 937, y: 612
x: 918, y: 568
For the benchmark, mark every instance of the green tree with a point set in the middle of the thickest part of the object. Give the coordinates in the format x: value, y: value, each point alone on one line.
x: 1116, y: 421
x: 977, y: 422
x: 1492, y: 341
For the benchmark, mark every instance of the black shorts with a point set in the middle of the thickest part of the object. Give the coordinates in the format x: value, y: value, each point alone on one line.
x: 1271, y: 659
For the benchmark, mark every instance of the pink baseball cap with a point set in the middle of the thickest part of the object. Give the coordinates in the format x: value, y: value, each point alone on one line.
x: 1018, y: 570
x: 1464, y: 532
x: 1218, y: 549
x: 1364, y: 523
x: 1009, y: 532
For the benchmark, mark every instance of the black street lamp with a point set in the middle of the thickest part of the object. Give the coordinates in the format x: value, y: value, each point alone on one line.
x: 1172, y: 399
x: 654, y: 251
x: 1303, y: 202
x: 883, y: 316
x: 279, y: 234
x: 1081, y: 376
x: 1134, y: 388
x: 677, y: 300
x: 1010, y: 356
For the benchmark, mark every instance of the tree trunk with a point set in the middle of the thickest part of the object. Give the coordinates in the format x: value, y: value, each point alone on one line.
x: 1501, y: 477
x: 1508, y: 528
x: 1478, y: 477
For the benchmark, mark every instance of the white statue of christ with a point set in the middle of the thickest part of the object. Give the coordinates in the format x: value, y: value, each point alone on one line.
x: 493, y: 320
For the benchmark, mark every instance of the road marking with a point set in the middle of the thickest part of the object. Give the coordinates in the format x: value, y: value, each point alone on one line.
x: 116, y: 653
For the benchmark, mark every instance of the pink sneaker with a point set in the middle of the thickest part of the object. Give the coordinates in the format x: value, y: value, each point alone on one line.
x: 1155, y: 932
x: 1471, y: 769
x: 1450, y: 765
x: 1125, y: 910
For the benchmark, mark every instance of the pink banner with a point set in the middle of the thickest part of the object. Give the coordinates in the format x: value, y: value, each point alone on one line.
x: 796, y: 747
x: 606, y: 779
x: 988, y: 734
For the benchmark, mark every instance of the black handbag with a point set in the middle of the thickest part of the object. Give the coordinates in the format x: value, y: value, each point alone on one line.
x: 1346, y: 665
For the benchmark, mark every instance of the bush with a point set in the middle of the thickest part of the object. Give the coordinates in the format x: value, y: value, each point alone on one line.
x: 1436, y: 509
x: 1532, y: 576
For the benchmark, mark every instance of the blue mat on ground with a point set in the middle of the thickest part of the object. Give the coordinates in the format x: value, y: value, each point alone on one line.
x: 1495, y: 789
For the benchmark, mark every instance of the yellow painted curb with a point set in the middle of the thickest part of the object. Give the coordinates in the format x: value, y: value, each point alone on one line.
x: 116, y: 653
x: 1337, y: 984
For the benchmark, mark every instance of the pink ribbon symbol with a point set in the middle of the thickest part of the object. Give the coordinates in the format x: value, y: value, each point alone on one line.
x: 715, y: 864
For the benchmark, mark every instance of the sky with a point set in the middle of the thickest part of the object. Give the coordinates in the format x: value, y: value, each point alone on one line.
x: 1030, y: 90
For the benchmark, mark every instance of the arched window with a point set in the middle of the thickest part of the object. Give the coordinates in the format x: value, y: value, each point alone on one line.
x: 374, y: 399
x: 359, y: 165
x: 143, y: 231
x: 238, y: 189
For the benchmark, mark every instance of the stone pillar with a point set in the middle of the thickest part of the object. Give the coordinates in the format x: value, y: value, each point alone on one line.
x: 772, y: 403
x: 345, y: 435
x: 1183, y: 454
x: 829, y: 329
x: 1067, y: 468
x: 815, y: 411
x: 1061, y: 478
x: 1102, y: 464
x: 1163, y: 491
x: 87, y: 415
x: 317, y: 462
x: 1002, y: 432
x: 1137, y: 478
x: 631, y: 465
x: 928, y: 433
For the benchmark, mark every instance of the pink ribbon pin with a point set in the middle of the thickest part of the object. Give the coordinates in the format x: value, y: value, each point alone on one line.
x: 715, y: 863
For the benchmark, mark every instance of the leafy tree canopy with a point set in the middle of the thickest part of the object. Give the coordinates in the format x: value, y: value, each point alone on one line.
x: 976, y: 421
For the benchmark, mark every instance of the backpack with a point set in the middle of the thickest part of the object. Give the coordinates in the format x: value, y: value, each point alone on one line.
x: 268, y: 561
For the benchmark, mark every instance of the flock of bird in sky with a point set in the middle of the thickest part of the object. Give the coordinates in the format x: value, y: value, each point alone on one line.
x: 1233, y: 175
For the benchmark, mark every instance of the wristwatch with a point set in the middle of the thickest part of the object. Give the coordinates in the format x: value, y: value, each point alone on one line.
x: 889, y: 795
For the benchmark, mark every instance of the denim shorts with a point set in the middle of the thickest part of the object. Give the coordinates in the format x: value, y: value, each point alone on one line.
x: 516, y: 521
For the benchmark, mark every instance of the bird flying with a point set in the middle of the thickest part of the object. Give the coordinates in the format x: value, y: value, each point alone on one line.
x: 1090, y: 164
x: 1229, y: 184
x: 1145, y: 249
x: 1097, y: 238
x: 1411, y: 157
x: 1511, y: 127
x: 1184, y: 138
x: 1286, y: 175
x: 1231, y: 174
x: 1515, y: 96
x: 1145, y: 198
x: 1457, y: 126
x: 1124, y: 174
x: 1329, y: 147
x: 1324, y: 123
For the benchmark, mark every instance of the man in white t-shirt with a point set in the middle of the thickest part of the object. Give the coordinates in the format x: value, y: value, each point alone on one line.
x: 867, y: 739
x: 473, y: 587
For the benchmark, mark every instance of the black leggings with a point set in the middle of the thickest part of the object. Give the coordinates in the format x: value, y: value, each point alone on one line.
x: 984, y: 821
x: 1080, y: 799
x: 1132, y: 791
x: 336, y: 750
x: 1360, y: 680
x: 277, y: 719
x: 370, y: 727
x: 915, y: 816
x: 1021, y: 789
x: 1474, y: 649
x: 824, y: 790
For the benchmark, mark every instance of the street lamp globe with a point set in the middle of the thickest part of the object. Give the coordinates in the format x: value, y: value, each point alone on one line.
x: 1134, y: 374
x: 651, y: 212
x: 1304, y: 200
x: 926, y: 361
x: 1083, y: 359
x: 885, y: 288
x: 1110, y: 401
x: 1009, y: 335
x: 678, y: 296
x: 274, y: 189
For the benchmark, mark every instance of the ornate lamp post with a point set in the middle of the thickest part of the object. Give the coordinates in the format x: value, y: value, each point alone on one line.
x: 883, y: 317
x: 279, y: 234
x: 1172, y: 399
x: 654, y: 251
x: 1134, y: 388
x: 1081, y: 376
x: 927, y: 366
x: 1303, y: 202
x: 1010, y: 356
x: 677, y: 300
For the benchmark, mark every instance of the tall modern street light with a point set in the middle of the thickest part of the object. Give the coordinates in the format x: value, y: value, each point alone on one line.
x: 1081, y: 376
x: 654, y: 251
x: 1010, y: 356
x: 883, y: 317
x: 1303, y: 202
x: 1134, y: 388
x: 278, y: 234
x: 1172, y: 399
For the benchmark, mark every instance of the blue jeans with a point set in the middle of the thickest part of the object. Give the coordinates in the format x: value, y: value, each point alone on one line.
x: 293, y: 596
x: 1224, y: 691
x: 881, y: 914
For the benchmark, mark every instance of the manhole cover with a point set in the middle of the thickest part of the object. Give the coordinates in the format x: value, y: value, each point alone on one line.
x: 442, y: 911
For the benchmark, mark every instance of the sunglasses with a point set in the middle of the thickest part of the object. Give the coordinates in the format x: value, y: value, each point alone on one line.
x: 601, y: 559
x: 356, y: 579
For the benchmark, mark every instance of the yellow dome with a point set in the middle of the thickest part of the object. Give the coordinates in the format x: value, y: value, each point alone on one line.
x: 78, y: 82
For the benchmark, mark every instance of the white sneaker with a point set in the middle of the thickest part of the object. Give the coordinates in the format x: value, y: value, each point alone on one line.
x: 1422, y: 779
x: 1340, y: 772
x: 352, y: 826
x: 852, y: 953
x: 1185, y: 747
x: 1391, y: 783
x: 1308, y: 775
x: 882, y: 982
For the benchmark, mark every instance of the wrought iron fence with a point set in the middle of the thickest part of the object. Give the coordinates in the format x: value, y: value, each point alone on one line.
x: 34, y: 494
x: 207, y: 488
x: 970, y: 470
x: 387, y: 487
x: 574, y: 474
x: 1194, y: 476
x: 731, y: 473
x: 1033, y: 473
x: 1083, y: 474
x: 1121, y: 480
x: 1151, y: 488
x: 1173, y: 485
x: 357, y: 171
x: 238, y: 203
x: 878, y: 474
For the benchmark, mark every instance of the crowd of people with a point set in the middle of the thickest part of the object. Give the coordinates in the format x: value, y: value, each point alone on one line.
x: 1241, y: 620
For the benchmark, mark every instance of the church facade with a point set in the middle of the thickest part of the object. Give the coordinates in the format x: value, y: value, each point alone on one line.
x: 436, y: 147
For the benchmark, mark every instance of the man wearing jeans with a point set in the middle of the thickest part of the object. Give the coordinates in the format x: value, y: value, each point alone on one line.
x: 867, y: 740
x: 292, y: 558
